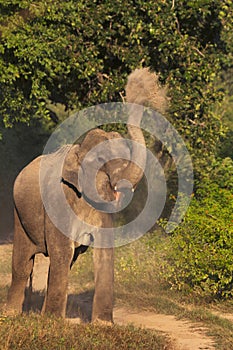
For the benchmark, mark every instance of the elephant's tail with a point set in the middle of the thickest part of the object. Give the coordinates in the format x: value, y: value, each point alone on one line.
x: 143, y: 88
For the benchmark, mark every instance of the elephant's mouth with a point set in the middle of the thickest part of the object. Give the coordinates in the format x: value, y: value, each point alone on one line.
x: 122, y: 193
x: 97, y: 205
x: 117, y: 195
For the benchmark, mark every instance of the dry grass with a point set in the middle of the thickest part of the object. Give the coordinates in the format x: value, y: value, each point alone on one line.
x: 138, y: 284
x: 35, y: 332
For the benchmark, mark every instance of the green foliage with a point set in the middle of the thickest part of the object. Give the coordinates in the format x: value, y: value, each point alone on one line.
x: 226, y: 145
x: 78, y: 53
x: 199, y: 256
x: 222, y: 175
x: 60, y: 56
x: 226, y: 85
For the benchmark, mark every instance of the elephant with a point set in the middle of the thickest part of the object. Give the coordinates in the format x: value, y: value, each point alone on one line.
x: 34, y: 230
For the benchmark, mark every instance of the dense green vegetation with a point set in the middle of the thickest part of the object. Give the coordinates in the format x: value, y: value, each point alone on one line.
x: 79, y: 54
x: 199, y: 256
x: 60, y: 56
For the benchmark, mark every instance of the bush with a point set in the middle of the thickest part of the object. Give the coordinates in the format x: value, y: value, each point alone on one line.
x: 199, y: 255
x: 75, y: 54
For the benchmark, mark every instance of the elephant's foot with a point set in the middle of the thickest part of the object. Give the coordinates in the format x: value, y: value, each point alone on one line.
x: 100, y: 322
x: 11, y: 311
x: 102, y: 313
x: 15, y: 297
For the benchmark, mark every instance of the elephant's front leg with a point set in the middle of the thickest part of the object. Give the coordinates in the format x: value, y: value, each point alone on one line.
x: 56, y: 298
x: 104, y: 279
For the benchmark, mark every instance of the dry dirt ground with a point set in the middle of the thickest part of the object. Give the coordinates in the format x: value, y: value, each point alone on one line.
x: 184, y: 334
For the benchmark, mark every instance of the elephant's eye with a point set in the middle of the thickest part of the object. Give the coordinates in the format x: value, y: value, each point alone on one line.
x: 101, y: 160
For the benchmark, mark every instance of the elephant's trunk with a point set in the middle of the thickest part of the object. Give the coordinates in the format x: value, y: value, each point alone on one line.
x: 133, y: 172
x: 142, y: 89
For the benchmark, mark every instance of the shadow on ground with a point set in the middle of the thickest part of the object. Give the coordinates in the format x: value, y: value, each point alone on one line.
x: 78, y: 305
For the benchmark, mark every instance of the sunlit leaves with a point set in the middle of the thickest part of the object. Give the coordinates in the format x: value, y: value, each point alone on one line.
x: 78, y: 53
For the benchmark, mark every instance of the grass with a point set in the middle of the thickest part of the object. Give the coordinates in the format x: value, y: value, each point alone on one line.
x: 40, y: 332
x: 139, y: 285
x: 32, y: 331
x: 5, y: 260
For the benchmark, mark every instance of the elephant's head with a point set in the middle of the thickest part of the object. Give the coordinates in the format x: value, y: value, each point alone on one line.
x: 95, y: 164
x: 96, y: 159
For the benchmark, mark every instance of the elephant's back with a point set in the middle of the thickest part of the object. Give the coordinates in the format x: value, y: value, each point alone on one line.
x: 26, y: 184
x: 28, y: 201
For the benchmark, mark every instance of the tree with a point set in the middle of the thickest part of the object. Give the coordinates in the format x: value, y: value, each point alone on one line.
x: 78, y: 53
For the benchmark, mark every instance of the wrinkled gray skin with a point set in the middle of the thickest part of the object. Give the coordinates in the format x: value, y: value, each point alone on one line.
x: 35, y: 233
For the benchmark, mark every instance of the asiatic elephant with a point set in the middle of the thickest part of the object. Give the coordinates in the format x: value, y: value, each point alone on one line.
x: 36, y: 233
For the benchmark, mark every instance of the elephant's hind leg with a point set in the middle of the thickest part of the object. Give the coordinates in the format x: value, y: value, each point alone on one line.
x: 22, y: 265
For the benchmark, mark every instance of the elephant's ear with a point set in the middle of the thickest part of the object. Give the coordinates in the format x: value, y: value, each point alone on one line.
x: 71, y: 166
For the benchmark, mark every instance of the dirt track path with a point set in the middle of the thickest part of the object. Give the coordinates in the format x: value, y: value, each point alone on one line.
x: 184, y: 334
